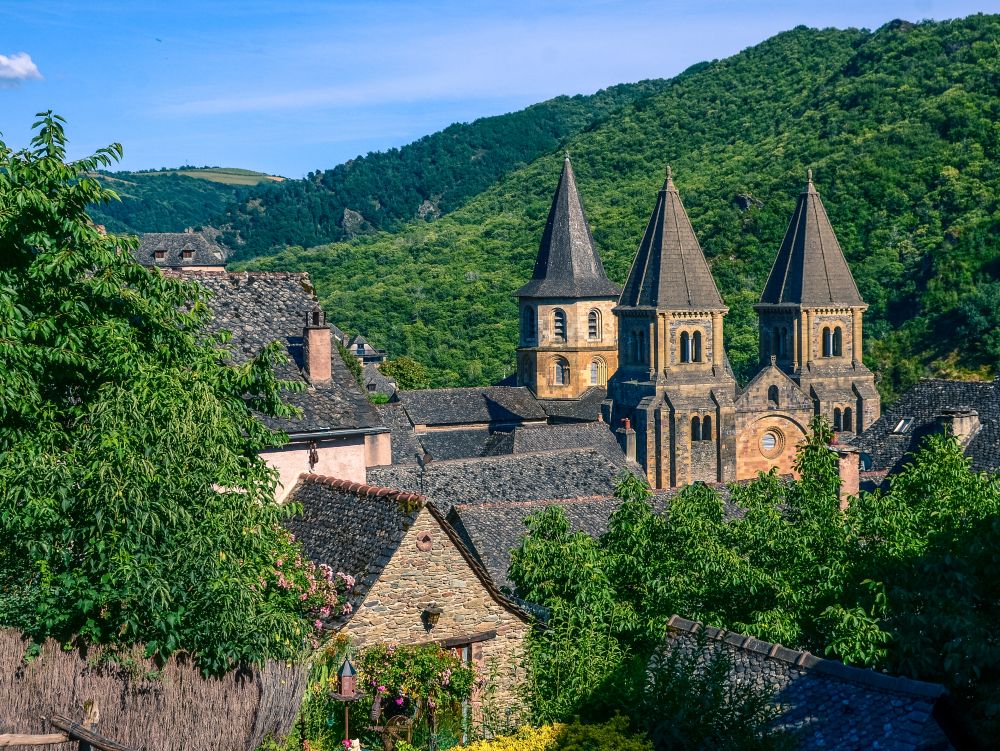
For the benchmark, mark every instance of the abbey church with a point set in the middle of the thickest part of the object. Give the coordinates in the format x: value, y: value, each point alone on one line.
x: 656, y: 346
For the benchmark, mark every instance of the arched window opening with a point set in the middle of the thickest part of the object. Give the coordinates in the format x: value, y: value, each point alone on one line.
x: 560, y: 372
x: 695, y: 428
x: 706, y: 429
x: 598, y: 372
x: 827, y: 342
x: 838, y: 342
x: 642, y: 347
x: 559, y: 325
x: 848, y: 420
x: 528, y: 325
x: 696, y: 346
x: 837, y: 424
x: 594, y: 324
x: 630, y: 348
x: 685, y: 347
x: 772, y: 395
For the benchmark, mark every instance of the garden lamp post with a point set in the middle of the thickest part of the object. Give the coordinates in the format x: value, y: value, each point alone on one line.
x: 347, y: 691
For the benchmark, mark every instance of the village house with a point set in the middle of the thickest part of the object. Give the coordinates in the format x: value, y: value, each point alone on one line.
x: 339, y: 433
x: 181, y: 251
x: 415, y: 582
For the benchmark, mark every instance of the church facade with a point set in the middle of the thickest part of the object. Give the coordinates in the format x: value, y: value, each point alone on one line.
x: 659, y: 344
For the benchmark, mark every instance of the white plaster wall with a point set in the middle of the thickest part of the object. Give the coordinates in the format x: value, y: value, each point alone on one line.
x: 343, y: 458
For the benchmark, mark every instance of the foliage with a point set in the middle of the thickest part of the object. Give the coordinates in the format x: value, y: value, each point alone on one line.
x: 899, y: 124
x: 377, y: 398
x: 351, y: 362
x: 902, y: 580
x: 426, y: 673
x: 613, y: 735
x: 133, y: 504
x: 407, y: 372
x: 420, y: 181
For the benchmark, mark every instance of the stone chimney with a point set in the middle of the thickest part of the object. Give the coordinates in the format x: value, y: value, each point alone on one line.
x: 961, y: 422
x: 627, y: 439
x: 317, y: 344
x: 849, y: 464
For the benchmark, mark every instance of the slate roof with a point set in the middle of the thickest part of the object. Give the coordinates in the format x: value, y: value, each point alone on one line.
x: 173, y: 244
x: 259, y: 308
x: 566, y: 473
x: 670, y: 271
x: 377, y: 382
x: 492, y: 530
x: 405, y: 448
x: 356, y: 529
x: 587, y: 408
x: 465, y: 406
x: 886, y: 451
x: 454, y: 444
x: 529, y: 438
x: 830, y: 705
x: 568, y: 264
x: 810, y: 268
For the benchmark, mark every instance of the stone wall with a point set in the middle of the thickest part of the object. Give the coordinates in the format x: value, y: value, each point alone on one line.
x: 428, y: 568
x: 751, y: 454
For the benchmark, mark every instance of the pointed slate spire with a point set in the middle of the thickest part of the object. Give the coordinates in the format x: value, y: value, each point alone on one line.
x: 568, y: 264
x: 670, y: 270
x: 810, y: 268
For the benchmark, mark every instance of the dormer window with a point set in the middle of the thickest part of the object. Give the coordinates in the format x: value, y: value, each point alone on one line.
x: 360, y: 349
x: 160, y: 255
x: 187, y: 254
x: 903, y: 426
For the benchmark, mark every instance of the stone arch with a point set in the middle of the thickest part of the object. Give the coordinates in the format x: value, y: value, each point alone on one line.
x: 696, y: 347
x: 754, y: 452
x: 594, y: 327
x: 598, y: 372
x: 772, y: 395
x: 685, y: 347
x: 559, y: 325
x: 560, y: 371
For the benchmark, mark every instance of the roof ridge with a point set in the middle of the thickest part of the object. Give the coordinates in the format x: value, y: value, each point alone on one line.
x: 363, y: 489
x: 538, y: 452
x: 581, y: 499
x: 805, y: 660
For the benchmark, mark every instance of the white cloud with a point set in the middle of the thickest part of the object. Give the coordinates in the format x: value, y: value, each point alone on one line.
x: 16, y: 68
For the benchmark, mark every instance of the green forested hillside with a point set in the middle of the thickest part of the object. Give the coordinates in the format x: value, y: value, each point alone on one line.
x: 900, y: 126
x: 164, y: 201
x: 424, y: 179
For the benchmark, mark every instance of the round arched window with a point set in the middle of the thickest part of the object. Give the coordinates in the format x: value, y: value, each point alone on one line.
x: 771, y: 443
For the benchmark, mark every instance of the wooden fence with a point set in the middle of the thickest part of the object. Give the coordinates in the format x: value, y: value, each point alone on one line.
x: 141, y: 707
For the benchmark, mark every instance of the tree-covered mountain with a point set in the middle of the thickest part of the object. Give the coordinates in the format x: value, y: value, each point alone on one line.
x: 169, y: 200
x: 900, y: 126
x: 424, y: 179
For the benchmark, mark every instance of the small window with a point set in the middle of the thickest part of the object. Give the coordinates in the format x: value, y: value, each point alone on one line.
x: 685, y: 347
x: 559, y: 325
x: 837, y: 424
x: 695, y: 428
x: 696, y: 346
x: 838, y: 342
x: 903, y: 425
x: 560, y: 372
x: 827, y: 342
x: 594, y: 324
x: 706, y: 429
x: 848, y: 420
x: 160, y: 255
x: 371, y: 386
x: 360, y: 349
x: 528, y: 324
x: 769, y: 442
x: 772, y: 395
x: 598, y: 372
x: 187, y: 254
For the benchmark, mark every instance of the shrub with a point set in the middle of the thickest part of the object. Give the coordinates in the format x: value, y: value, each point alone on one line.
x: 613, y: 735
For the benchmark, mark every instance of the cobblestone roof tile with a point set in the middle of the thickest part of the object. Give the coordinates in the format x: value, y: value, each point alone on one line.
x: 886, y: 450
x: 585, y: 409
x: 454, y: 444
x: 260, y: 308
x: 466, y: 406
x: 205, y: 252
x: 830, y: 705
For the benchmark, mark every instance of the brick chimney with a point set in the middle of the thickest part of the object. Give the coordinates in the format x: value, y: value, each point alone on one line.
x: 849, y: 464
x: 627, y: 439
x: 317, y: 343
x: 961, y: 422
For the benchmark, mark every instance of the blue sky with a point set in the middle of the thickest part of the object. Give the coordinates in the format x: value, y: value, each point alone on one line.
x: 288, y: 87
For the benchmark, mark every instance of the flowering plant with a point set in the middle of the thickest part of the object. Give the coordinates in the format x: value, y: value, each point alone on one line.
x: 427, y: 675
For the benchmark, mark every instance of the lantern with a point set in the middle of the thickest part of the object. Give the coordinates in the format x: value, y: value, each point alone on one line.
x: 347, y: 679
x: 431, y: 615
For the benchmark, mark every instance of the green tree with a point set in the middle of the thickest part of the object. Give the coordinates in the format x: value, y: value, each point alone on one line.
x: 407, y: 372
x: 133, y: 503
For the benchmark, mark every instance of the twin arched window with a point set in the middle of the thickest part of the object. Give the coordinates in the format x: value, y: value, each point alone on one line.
x: 598, y: 372
x: 833, y: 342
x: 559, y: 325
x: 701, y: 428
x: 560, y: 372
x: 690, y: 347
x: 594, y: 325
x: 843, y: 420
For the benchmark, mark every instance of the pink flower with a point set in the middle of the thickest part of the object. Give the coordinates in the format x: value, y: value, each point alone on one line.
x: 279, y: 562
x: 318, y: 624
x: 382, y: 689
x: 399, y: 701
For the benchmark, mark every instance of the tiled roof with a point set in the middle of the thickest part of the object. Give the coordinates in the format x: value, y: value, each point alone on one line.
x: 357, y: 528
x: 405, y: 449
x: 464, y: 406
x: 371, y: 376
x: 568, y: 473
x: 259, y: 308
x: 810, y: 268
x: 493, y: 530
x: 827, y: 704
x: 670, y: 271
x: 454, y: 444
x: 529, y: 438
x: 886, y: 450
x: 568, y: 264
x: 173, y: 244
x: 585, y: 409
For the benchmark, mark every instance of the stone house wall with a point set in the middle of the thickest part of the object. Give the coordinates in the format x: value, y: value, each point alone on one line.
x: 417, y: 576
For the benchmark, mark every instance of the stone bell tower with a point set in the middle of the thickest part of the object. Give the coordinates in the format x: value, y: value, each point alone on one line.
x: 811, y: 319
x: 674, y: 382
x: 568, y: 336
